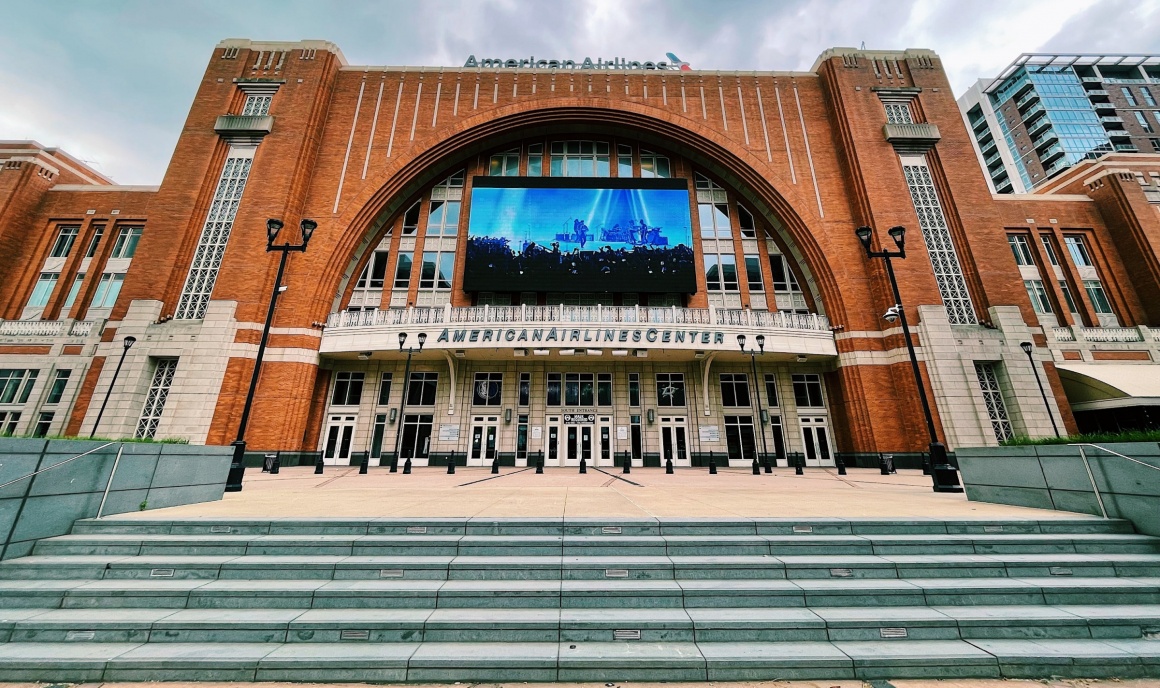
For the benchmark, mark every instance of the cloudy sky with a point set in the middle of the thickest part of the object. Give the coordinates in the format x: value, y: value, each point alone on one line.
x: 111, y: 81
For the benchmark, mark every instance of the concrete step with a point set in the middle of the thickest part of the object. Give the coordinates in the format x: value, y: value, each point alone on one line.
x: 578, y: 545
x: 818, y: 624
x: 559, y: 567
x: 576, y: 661
x: 594, y: 526
x: 195, y: 593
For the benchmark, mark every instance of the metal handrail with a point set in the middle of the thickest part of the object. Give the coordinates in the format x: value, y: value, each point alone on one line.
x: 1092, y: 478
x: 57, y: 465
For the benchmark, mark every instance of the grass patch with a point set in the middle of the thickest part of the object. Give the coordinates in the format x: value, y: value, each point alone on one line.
x: 1089, y: 438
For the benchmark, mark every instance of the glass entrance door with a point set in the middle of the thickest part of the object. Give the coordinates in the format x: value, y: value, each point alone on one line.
x: 606, y: 448
x: 552, y: 446
x: 578, y: 441
x: 816, y: 439
x: 674, y: 441
x: 339, y: 435
x: 484, y: 436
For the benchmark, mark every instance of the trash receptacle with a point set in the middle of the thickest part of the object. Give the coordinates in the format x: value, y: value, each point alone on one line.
x: 268, y: 462
x: 886, y: 464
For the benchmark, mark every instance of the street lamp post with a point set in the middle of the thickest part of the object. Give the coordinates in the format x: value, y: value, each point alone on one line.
x: 1026, y: 346
x: 126, y: 344
x: 942, y: 473
x: 403, y: 404
x: 753, y: 354
x: 273, y: 226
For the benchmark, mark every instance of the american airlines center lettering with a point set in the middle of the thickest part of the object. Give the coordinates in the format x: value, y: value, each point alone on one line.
x: 587, y: 63
x: 568, y: 335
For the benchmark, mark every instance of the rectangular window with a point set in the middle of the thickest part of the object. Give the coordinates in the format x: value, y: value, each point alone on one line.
x: 443, y: 219
x: 993, y: 399
x: 1021, y: 249
x: 734, y: 389
x: 348, y: 389
x: 1049, y: 249
x: 522, y: 437
x: 898, y: 113
x: 1147, y: 93
x: 107, y: 290
x: 525, y: 391
x: 506, y: 164
x: 411, y: 219
x: 16, y: 384
x: 604, y: 389
x: 1155, y: 142
x: 670, y: 389
x: 637, y: 438
x: 126, y: 244
x: 385, y: 389
x: 1079, y: 252
x: 578, y: 389
x: 771, y: 390
x: 377, y: 433
x: 98, y: 232
x: 8, y: 422
x: 421, y: 391
x: 1143, y: 121
x: 403, y: 270
x: 43, y: 423
x: 745, y: 223
x: 1038, y: 295
x: 59, y: 383
x: 714, y: 220
x: 74, y: 289
x: 163, y: 373
x: 437, y: 270
x: 488, y: 389
x: 634, y: 389
x: 753, y: 273
x: 536, y: 160
x: 721, y: 272
x: 375, y: 273
x: 416, y: 442
x: 580, y: 159
x: 43, y: 289
x: 807, y: 390
x: 783, y: 277
x: 553, y: 389
x: 623, y: 160
x: 740, y: 440
x: 1128, y: 95
x: 257, y: 105
x: 653, y: 165
x: 1095, y: 292
x: 65, y: 239
x: 1067, y: 297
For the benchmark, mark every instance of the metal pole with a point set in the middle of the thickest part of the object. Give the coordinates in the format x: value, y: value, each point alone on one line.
x: 124, y: 352
x: 1042, y: 393
x: 402, y: 413
x: 913, y: 357
x: 101, y: 508
x: 760, y: 422
x: 237, y: 465
x: 1092, y: 478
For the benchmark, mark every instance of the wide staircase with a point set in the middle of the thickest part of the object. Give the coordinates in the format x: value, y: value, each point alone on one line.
x: 442, y: 600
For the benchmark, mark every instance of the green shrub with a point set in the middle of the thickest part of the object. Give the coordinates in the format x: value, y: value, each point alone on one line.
x: 1089, y: 438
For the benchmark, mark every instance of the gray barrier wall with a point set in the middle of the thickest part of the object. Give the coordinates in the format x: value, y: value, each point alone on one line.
x: 1053, y: 477
x: 153, y: 475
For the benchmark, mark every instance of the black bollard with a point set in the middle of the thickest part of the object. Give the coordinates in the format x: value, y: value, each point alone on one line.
x: 925, y: 463
x: 495, y: 466
x: 712, y: 464
x: 841, y: 464
x: 627, y: 464
x: 540, y: 465
x: 669, y: 466
x: 277, y: 465
x: 395, y: 464
x: 583, y: 465
x: 318, y: 464
x: 364, y: 464
x: 450, y: 465
x: 406, y: 467
x: 756, y: 467
x: 797, y: 469
x: 768, y: 468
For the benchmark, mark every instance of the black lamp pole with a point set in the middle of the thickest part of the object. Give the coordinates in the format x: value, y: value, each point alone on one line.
x: 126, y: 344
x: 406, y: 390
x: 753, y: 354
x: 942, y: 473
x: 1026, y: 346
x: 237, y: 465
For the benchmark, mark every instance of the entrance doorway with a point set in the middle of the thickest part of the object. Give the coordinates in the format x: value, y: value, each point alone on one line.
x: 816, y: 439
x: 575, y: 436
x: 674, y: 441
x: 484, y: 436
x: 339, y: 436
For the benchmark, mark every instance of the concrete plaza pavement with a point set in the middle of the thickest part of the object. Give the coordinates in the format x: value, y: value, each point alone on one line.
x: 606, y: 493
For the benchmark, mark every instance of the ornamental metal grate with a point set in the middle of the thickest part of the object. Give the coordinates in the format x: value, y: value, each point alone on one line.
x: 948, y: 272
x: 211, y: 245
x: 993, y: 398
x: 155, y: 399
x: 898, y: 113
x: 258, y: 106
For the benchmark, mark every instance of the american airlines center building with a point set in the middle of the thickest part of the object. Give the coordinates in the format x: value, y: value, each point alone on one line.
x: 553, y: 262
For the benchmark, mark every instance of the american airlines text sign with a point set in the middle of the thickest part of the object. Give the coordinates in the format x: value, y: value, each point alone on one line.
x: 567, y: 335
x: 587, y: 63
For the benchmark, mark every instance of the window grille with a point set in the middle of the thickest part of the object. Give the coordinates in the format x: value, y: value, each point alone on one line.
x: 898, y: 113
x: 993, y: 398
x: 155, y: 399
x: 211, y: 245
x: 257, y: 105
x: 948, y: 271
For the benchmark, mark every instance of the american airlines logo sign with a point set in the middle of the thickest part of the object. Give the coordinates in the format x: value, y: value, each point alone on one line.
x: 674, y: 63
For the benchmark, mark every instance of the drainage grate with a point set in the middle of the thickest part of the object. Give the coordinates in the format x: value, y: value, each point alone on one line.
x: 416, y: 530
x: 80, y: 635
x: 992, y: 529
x: 1151, y: 633
x: 611, y: 530
x: 390, y: 573
x: 841, y: 573
x: 803, y: 529
x: 161, y: 573
x: 1059, y: 571
x: 892, y: 632
x: 616, y: 573
x: 354, y: 635
x: 626, y: 635
x: 221, y: 529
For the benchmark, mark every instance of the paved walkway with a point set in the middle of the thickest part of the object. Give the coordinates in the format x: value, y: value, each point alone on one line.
x: 516, y: 492
x: 837, y: 683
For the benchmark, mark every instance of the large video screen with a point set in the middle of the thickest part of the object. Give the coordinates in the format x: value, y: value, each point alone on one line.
x: 588, y: 234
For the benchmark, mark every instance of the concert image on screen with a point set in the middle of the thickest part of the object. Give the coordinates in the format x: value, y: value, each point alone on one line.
x: 586, y: 234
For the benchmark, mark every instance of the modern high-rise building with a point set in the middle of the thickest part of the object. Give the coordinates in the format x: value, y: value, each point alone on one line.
x: 1045, y: 112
